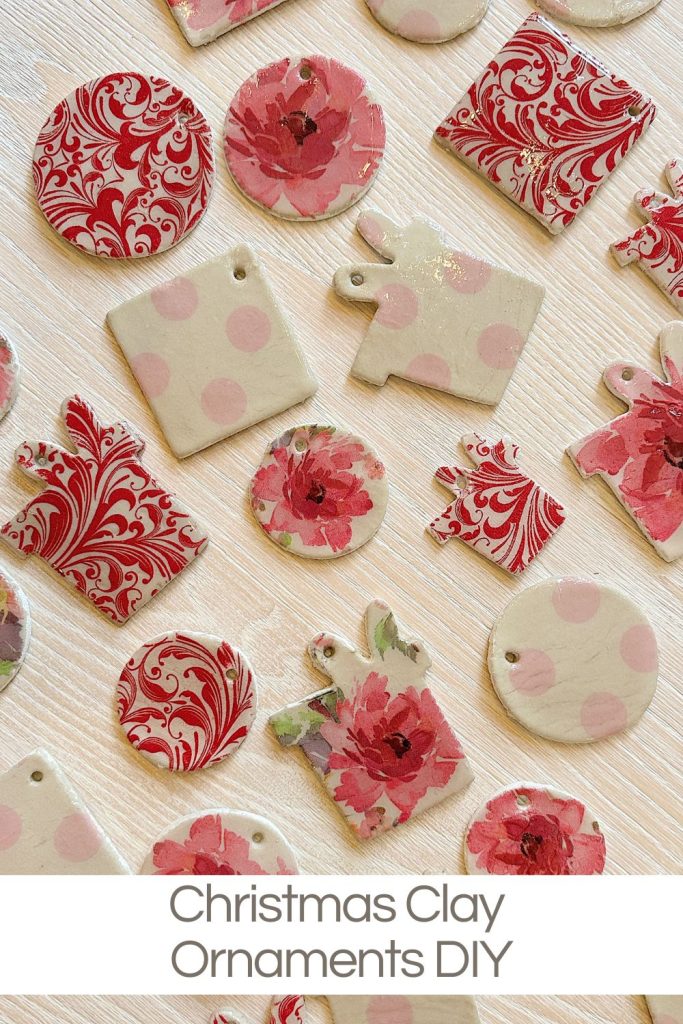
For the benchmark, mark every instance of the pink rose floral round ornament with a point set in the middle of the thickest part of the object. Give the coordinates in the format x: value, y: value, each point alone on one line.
x: 186, y: 700
x: 303, y: 138
x: 319, y: 492
x: 9, y: 376
x: 124, y: 166
x: 532, y: 829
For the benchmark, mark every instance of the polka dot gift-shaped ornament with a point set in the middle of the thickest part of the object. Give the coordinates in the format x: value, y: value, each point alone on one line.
x: 597, y: 13
x: 303, y: 138
x: 428, y: 21
x: 573, y: 660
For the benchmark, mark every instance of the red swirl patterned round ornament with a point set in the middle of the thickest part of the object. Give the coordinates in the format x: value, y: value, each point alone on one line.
x: 123, y: 167
x: 186, y: 700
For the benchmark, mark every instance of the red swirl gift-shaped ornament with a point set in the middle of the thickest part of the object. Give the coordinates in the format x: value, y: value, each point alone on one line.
x: 102, y: 521
x: 498, y: 510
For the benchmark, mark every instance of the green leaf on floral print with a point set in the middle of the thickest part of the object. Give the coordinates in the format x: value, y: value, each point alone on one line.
x: 294, y: 722
x: 386, y: 637
x: 285, y: 540
x: 6, y: 667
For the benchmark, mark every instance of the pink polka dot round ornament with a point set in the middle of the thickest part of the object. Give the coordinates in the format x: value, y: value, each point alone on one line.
x: 303, y: 138
x: 573, y: 660
x: 123, y: 167
x: 428, y: 21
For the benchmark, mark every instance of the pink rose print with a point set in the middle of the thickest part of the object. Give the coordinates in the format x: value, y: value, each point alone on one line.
x: 201, y: 14
x: 389, y: 747
x: 209, y: 849
x: 304, y: 139
x: 528, y: 831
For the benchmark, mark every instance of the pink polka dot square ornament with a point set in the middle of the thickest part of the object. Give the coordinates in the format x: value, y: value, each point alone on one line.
x: 212, y: 351
x: 202, y: 21
x: 46, y: 829
x: 444, y: 319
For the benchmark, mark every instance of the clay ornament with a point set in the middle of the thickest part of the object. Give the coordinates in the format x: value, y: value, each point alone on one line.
x: 15, y: 629
x: 376, y: 737
x: 573, y: 660
x: 9, y: 376
x: 46, y: 829
x: 639, y: 454
x: 445, y: 318
x: 656, y: 246
x: 498, y: 510
x: 186, y: 700
x: 202, y: 21
x: 392, y: 1009
x: 288, y: 1010
x: 597, y: 13
x: 124, y: 166
x: 212, y: 352
x: 303, y: 138
x: 665, y: 1009
x: 221, y: 842
x: 546, y: 140
x: 319, y: 492
x: 531, y: 829
x: 226, y: 1016
x: 428, y: 21
x: 102, y: 521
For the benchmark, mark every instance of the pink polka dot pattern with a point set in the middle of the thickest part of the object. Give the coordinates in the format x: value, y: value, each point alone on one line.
x: 638, y: 648
x: 10, y: 827
x: 431, y: 370
x: 666, y: 1018
x: 369, y: 227
x: 421, y: 26
x: 576, y: 600
x: 534, y: 673
x: 499, y: 346
x: 389, y: 1010
x: 76, y: 839
x: 223, y: 401
x: 153, y: 373
x: 603, y: 714
x: 398, y: 306
x: 248, y: 328
x: 465, y: 274
x: 176, y: 300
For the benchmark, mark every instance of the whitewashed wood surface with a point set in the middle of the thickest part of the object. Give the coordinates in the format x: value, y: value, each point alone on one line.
x: 53, y: 304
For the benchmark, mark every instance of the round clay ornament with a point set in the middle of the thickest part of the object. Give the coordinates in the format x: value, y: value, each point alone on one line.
x: 221, y: 842
x: 428, y: 21
x: 532, y: 829
x: 303, y: 138
x: 597, y: 13
x: 9, y: 376
x: 15, y: 629
x: 573, y: 660
x: 186, y: 700
x: 319, y: 492
x: 124, y: 166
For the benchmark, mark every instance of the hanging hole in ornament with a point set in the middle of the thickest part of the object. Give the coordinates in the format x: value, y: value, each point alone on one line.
x: 512, y: 657
x: 523, y: 800
x: 328, y: 651
x: 257, y: 838
x: 231, y: 673
x: 461, y: 481
x: 305, y: 72
x: 357, y: 280
x: 635, y: 110
x: 36, y: 776
x: 596, y: 828
x: 239, y: 273
x: 300, y: 445
x: 183, y: 117
x: 627, y: 373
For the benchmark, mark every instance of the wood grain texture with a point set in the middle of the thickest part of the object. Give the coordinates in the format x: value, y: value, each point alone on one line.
x: 53, y: 304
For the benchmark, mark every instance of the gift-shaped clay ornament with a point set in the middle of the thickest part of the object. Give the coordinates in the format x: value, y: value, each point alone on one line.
x: 657, y: 246
x: 377, y: 738
x: 597, y: 13
x: 102, y: 521
x: 428, y: 21
x: 202, y: 21
x: 498, y: 510
x: 665, y: 1009
x: 639, y: 454
x: 445, y: 318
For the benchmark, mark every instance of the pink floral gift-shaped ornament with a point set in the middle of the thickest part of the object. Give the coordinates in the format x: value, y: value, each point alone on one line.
x: 377, y: 737
x: 202, y: 21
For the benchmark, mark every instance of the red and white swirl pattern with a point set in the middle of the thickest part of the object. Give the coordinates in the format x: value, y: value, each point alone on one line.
x: 498, y: 510
x: 546, y: 123
x: 288, y: 1010
x: 124, y: 166
x: 186, y: 700
x: 102, y: 521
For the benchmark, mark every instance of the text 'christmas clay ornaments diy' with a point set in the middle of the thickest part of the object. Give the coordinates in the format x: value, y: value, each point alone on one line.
x: 428, y: 21
x: 124, y: 166
x: 665, y: 1009
x: 46, y: 829
x: 304, y: 138
x: 376, y: 737
x: 597, y: 13
x: 498, y: 510
x: 531, y: 829
x: 657, y: 246
x: 9, y: 376
x: 319, y: 492
x: 202, y: 21
x: 212, y: 351
x: 15, y: 629
x: 546, y: 123
x: 573, y: 660
x: 186, y: 700
x: 444, y: 318
x: 639, y: 454
x: 390, y: 1009
x: 221, y: 842
x: 102, y: 521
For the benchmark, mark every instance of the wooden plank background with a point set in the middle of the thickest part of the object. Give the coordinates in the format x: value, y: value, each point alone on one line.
x: 53, y: 303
